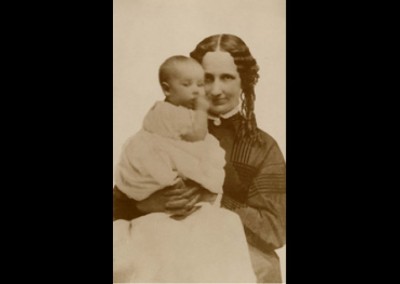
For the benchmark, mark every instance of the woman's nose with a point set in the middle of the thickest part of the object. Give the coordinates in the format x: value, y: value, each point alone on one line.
x: 216, y: 88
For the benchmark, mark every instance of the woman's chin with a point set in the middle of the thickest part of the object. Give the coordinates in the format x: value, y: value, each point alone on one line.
x: 219, y: 109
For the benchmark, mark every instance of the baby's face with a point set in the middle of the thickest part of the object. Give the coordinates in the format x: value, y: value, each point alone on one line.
x: 186, y: 84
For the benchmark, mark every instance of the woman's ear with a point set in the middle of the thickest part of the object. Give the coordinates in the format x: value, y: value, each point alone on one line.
x: 165, y: 88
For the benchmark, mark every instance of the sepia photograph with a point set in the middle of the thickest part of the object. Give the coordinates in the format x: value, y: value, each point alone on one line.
x: 199, y: 141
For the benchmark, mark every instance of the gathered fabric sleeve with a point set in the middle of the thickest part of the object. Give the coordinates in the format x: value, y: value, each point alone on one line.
x: 168, y: 120
x: 263, y: 210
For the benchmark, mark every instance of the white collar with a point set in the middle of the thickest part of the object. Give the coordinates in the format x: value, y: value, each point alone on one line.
x: 217, y: 119
x: 229, y: 114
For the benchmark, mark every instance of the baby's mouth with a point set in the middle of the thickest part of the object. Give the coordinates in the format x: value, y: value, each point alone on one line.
x: 190, y: 104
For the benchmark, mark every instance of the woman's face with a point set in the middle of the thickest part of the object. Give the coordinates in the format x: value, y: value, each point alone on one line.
x: 222, y: 81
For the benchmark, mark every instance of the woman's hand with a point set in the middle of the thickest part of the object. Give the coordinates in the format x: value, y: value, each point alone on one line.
x: 207, y: 196
x: 179, y: 199
x: 189, y: 197
x: 155, y: 202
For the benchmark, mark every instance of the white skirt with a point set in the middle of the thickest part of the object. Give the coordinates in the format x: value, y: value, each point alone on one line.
x: 207, y: 246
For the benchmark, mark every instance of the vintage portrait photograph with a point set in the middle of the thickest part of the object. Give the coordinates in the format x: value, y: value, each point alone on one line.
x: 199, y: 141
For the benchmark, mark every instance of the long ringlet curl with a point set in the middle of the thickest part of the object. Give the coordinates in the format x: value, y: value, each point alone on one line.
x: 248, y: 71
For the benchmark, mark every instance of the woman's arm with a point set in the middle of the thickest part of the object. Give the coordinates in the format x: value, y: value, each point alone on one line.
x: 263, y: 211
x: 124, y: 207
x: 178, y: 200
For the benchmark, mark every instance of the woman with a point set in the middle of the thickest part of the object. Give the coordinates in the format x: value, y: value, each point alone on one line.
x: 254, y: 186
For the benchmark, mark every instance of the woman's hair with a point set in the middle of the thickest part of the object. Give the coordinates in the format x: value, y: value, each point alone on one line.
x: 248, y: 71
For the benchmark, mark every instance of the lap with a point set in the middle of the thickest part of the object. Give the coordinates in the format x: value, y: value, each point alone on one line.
x: 207, y: 246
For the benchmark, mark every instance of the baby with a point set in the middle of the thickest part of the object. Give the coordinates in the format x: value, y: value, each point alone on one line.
x: 174, y: 145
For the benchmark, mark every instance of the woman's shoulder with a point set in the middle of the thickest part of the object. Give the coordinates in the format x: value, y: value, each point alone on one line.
x: 268, y: 140
x: 270, y: 148
x: 268, y: 143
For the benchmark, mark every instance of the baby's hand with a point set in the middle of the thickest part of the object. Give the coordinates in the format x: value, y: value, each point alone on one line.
x: 202, y: 103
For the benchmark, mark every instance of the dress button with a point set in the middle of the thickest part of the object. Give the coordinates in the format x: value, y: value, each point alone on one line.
x: 217, y: 122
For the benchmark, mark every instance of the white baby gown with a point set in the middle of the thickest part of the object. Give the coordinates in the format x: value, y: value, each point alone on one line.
x: 207, y: 246
x: 156, y: 156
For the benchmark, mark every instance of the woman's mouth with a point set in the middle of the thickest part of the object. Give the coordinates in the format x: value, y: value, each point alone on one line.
x: 219, y: 101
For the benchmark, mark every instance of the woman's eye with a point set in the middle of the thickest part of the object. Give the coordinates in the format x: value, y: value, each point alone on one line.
x: 208, y: 79
x: 227, y: 77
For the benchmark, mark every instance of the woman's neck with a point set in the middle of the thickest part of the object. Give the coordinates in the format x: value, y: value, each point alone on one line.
x: 228, y: 114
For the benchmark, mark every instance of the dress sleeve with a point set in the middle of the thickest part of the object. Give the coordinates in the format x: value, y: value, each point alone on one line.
x: 124, y: 207
x: 263, y: 212
x: 169, y: 120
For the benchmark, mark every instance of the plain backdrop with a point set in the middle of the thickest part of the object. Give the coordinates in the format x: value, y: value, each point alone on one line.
x: 146, y: 32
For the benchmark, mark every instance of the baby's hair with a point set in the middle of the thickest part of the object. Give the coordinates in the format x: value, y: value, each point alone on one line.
x: 169, y: 65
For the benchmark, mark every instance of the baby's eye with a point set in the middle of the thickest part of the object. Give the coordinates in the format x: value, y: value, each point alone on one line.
x: 186, y: 84
x: 201, y: 84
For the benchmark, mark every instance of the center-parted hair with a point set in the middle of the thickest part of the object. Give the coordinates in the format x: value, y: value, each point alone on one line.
x: 248, y: 71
